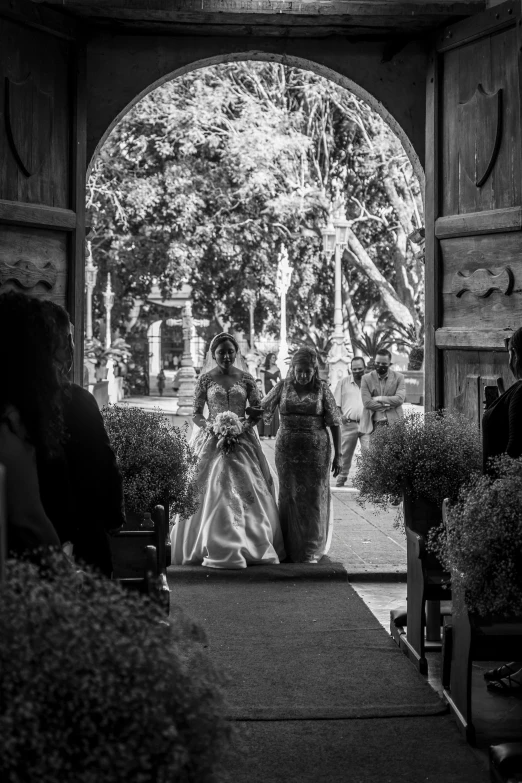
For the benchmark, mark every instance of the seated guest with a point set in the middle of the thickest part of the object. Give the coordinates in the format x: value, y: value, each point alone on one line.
x: 94, y: 507
x: 502, y: 434
x: 30, y: 421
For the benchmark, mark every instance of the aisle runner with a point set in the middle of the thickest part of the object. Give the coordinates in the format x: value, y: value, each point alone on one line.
x: 303, y: 647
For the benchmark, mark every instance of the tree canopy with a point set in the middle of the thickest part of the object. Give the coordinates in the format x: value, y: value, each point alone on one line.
x: 206, y: 178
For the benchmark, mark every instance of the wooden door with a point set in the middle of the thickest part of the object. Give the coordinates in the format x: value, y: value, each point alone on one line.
x: 42, y: 158
x: 473, y: 207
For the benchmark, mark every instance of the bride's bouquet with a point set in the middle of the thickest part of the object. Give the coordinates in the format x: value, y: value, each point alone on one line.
x: 227, y: 426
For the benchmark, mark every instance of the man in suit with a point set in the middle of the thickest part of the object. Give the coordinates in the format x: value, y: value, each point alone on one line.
x: 383, y: 392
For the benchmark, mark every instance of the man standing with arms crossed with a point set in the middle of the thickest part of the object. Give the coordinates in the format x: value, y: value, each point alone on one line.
x: 383, y: 392
x: 348, y: 398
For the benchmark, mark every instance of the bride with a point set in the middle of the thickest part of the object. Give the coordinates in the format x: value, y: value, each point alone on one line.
x: 237, y: 523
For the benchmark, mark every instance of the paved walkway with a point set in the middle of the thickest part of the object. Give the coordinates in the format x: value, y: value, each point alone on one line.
x: 365, y: 541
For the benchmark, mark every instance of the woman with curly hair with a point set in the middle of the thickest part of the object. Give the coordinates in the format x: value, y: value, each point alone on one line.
x: 307, y: 408
x: 31, y: 419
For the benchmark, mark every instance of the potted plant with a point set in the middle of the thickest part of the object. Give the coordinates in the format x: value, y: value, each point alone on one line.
x: 423, y: 458
x: 155, y: 459
x: 481, y: 542
x: 96, y: 686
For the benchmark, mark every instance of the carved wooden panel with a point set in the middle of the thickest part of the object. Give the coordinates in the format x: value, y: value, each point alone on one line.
x: 35, y: 116
x: 480, y: 149
x: 467, y: 374
x: 482, y: 281
x: 34, y: 260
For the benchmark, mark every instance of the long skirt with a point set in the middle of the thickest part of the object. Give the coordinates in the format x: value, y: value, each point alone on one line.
x: 237, y: 522
x: 302, y: 454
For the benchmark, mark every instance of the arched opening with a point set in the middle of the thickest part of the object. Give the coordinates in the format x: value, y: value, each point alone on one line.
x: 357, y: 250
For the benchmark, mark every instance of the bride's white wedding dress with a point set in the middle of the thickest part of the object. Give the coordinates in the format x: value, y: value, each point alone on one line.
x: 237, y: 522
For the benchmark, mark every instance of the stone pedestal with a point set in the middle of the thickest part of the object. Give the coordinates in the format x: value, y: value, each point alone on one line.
x: 187, y: 375
x: 187, y: 385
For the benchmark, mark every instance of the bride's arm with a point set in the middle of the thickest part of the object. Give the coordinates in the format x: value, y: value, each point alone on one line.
x: 200, y: 398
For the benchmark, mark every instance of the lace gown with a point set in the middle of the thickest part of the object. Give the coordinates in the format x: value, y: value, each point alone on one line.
x: 303, y: 455
x: 237, y: 523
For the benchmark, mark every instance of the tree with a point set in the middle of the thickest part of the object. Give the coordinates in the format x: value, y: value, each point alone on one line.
x: 206, y: 177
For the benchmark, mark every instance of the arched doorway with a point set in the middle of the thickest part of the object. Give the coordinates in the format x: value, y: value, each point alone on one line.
x: 164, y: 97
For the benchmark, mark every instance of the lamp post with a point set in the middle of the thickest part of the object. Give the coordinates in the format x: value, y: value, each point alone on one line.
x: 284, y: 275
x: 108, y: 299
x: 187, y: 375
x: 335, y: 239
x: 90, y: 281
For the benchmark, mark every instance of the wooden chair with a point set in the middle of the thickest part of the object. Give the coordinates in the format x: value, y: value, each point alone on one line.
x: 140, y: 559
x: 476, y: 638
x: 427, y: 585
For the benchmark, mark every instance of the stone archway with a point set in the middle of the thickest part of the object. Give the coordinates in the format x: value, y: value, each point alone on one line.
x: 394, y: 88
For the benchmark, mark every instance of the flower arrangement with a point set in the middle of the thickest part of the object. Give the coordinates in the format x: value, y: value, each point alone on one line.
x: 155, y: 459
x: 482, y: 541
x: 97, y: 687
x: 227, y: 427
x: 428, y: 455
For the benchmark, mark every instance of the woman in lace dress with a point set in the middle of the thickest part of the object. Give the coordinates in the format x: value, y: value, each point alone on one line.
x: 236, y: 524
x: 303, y: 452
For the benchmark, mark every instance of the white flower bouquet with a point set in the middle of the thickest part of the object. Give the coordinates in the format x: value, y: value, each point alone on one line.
x: 227, y: 427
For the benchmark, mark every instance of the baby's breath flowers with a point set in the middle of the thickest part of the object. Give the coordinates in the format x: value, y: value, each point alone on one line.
x: 155, y: 459
x: 96, y: 686
x: 482, y: 541
x: 429, y: 456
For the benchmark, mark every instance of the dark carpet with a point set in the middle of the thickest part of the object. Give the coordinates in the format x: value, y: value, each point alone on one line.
x: 401, y: 750
x: 300, y: 648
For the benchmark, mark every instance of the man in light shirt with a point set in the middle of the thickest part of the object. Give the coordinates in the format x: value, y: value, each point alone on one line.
x: 383, y: 393
x: 348, y: 398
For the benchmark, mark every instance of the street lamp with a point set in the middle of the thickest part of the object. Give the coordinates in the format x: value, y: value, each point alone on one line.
x: 284, y: 275
x: 335, y: 240
x: 108, y: 299
x: 91, y: 272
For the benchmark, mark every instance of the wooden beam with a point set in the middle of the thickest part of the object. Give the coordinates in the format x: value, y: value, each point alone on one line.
x: 433, y: 277
x: 76, y: 265
x: 408, y: 10
x: 29, y: 14
x: 488, y: 222
x: 471, y: 339
x: 37, y: 215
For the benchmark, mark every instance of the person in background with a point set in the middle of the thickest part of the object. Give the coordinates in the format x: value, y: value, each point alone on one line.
x: 161, y: 381
x: 272, y: 375
x: 31, y: 422
x: 502, y: 434
x: 348, y: 398
x: 383, y: 392
x: 93, y: 508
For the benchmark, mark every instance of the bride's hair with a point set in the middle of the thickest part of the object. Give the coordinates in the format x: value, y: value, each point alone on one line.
x: 220, y: 338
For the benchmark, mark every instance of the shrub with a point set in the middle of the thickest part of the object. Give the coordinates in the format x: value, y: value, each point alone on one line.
x: 429, y: 455
x: 155, y: 459
x: 482, y: 541
x: 97, y: 687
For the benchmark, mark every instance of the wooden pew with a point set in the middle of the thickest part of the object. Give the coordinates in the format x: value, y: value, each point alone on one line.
x: 427, y: 584
x: 476, y: 638
x: 140, y: 559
